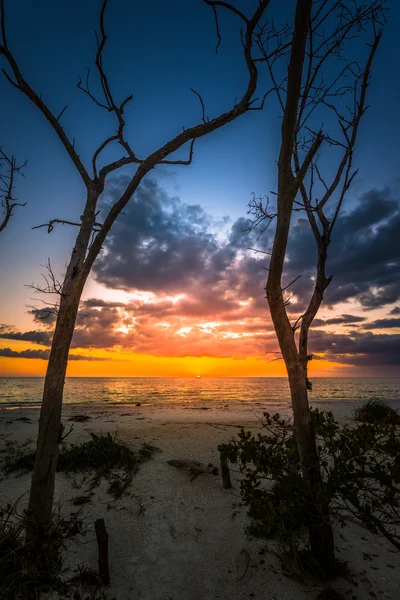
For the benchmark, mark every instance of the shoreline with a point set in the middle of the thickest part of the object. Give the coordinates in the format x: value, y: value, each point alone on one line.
x: 341, y: 408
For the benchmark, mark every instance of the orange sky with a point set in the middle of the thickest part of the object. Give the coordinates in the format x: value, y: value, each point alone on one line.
x: 129, y: 364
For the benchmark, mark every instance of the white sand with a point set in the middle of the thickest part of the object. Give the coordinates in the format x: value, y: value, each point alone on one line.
x: 173, y: 539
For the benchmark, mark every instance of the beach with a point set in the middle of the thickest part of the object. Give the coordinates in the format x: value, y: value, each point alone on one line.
x: 173, y: 538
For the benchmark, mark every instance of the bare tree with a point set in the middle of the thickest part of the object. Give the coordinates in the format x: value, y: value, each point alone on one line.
x: 91, y: 234
x: 8, y: 170
x: 320, y: 84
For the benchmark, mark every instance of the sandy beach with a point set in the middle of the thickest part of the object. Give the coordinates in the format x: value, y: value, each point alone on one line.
x: 176, y: 539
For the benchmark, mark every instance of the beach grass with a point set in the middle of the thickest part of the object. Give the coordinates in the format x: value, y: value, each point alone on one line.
x: 102, y: 456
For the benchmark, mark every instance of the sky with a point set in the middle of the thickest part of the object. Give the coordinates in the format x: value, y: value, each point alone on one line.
x: 176, y: 290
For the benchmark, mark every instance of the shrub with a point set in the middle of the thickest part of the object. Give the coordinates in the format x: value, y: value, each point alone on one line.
x: 103, y: 456
x: 360, y: 471
x: 24, y: 573
x: 374, y: 411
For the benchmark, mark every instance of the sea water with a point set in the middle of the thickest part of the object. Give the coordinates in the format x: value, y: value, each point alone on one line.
x: 26, y: 391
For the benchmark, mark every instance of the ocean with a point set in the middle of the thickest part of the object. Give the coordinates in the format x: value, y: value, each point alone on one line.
x: 26, y: 391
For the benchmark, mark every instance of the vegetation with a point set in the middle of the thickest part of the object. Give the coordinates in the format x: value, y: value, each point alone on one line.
x: 103, y: 456
x: 360, y: 467
x: 376, y: 411
x: 27, y: 575
x: 24, y: 573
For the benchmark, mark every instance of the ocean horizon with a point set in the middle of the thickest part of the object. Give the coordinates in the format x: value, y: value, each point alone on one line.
x: 26, y: 391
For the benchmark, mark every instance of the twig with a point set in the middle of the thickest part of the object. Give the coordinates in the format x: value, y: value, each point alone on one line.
x: 203, y: 116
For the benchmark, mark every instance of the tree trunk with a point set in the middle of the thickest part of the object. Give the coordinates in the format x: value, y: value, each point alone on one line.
x: 320, y: 529
x: 321, y: 283
x: 41, y: 496
x: 43, y: 479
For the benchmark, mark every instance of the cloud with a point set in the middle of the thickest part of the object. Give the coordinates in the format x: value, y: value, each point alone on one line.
x: 161, y: 329
x: 45, y: 316
x: 7, y: 352
x: 364, y: 255
x: 395, y: 311
x: 355, y: 348
x: 164, y: 246
x: 42, y: 354
x: 98, y: 303
x: 159, y: 244
x: 38, y: 337
x: 343, y: 320
x: 383, y: 324
x: 197, y: 290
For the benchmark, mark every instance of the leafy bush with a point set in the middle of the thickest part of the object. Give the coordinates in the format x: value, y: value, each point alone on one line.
x: 360, y: 470
x: 373, y: 411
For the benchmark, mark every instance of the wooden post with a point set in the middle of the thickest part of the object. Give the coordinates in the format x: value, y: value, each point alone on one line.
x: 102, y: 545
x: 226, y: 477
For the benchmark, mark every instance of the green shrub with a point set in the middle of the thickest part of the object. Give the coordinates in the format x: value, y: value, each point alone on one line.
x: 360, y: 474
x: 373, y: 411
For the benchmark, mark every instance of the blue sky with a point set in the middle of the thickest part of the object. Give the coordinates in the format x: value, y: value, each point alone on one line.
x: 158, y: 51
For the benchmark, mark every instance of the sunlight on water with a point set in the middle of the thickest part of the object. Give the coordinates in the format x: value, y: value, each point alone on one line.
x: 198, y: 390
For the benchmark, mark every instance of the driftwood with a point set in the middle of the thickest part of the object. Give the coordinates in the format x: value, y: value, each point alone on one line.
x: 226, y: 476
x: 80, y: 418
x: 195, y: 468
x: 102, y: 544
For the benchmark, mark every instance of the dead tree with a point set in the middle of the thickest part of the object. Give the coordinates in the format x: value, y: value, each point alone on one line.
x: 319, y: 79
x: 91, y: 234
x: 8, y: 170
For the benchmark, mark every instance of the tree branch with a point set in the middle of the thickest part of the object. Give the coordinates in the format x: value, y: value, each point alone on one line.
x: 188, y: 135
x: 8, y: 170
x: 50, y: 224
x: 26, y: 89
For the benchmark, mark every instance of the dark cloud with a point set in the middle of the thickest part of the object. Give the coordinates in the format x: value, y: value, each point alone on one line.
x: 164, y: 246
x: 38, y: 337
x: 395, y: 311
x: 343, y: 320
x: 42, y: 354
x: 167, y: 247
x: 98, y: 303
x: 159, y: 244
x: 359, y: 349
x: 96, y: 328
x: 364, y: 256
x: 45, y: 316
x: 383, y: 324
